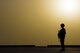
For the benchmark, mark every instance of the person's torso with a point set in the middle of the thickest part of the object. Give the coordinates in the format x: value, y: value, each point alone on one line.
x: 62, y: 32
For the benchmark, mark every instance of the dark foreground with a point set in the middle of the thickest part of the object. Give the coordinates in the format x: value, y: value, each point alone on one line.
x: 38, y: 50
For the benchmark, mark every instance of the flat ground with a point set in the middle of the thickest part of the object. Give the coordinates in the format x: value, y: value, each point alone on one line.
x: 38, y: 50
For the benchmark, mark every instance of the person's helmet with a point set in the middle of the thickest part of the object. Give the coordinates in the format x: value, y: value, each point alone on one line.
x: 62, y: 25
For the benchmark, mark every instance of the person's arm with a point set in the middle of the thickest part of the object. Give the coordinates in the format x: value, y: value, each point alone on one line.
x: 64, y: 31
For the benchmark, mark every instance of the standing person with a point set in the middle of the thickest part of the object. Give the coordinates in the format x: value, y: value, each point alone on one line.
x: 61, y: 36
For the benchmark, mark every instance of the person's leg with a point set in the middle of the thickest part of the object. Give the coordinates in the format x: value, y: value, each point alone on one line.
x: 63, y: 46
x: 62, y: 43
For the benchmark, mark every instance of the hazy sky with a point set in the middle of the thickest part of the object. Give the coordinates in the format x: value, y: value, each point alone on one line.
x: 36, y: 22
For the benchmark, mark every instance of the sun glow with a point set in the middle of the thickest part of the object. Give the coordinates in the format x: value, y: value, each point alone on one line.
x: 64, y: 9
x: 67, y: 6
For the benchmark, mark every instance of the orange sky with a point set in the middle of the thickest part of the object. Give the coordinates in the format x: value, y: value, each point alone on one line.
x: 36, y: 22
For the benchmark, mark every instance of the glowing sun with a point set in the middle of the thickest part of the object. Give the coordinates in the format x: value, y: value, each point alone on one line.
x: 67, y: 6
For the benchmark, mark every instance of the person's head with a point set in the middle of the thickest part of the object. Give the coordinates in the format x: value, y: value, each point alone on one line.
x: 62, y: 25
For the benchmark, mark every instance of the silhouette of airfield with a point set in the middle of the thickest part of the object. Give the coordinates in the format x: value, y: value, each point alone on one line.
x: 38, y: 49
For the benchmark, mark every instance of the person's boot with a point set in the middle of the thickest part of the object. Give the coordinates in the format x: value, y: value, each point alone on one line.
x: 63, y: 49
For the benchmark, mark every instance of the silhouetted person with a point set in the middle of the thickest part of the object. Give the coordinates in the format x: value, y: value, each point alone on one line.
x: 61, y: 36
